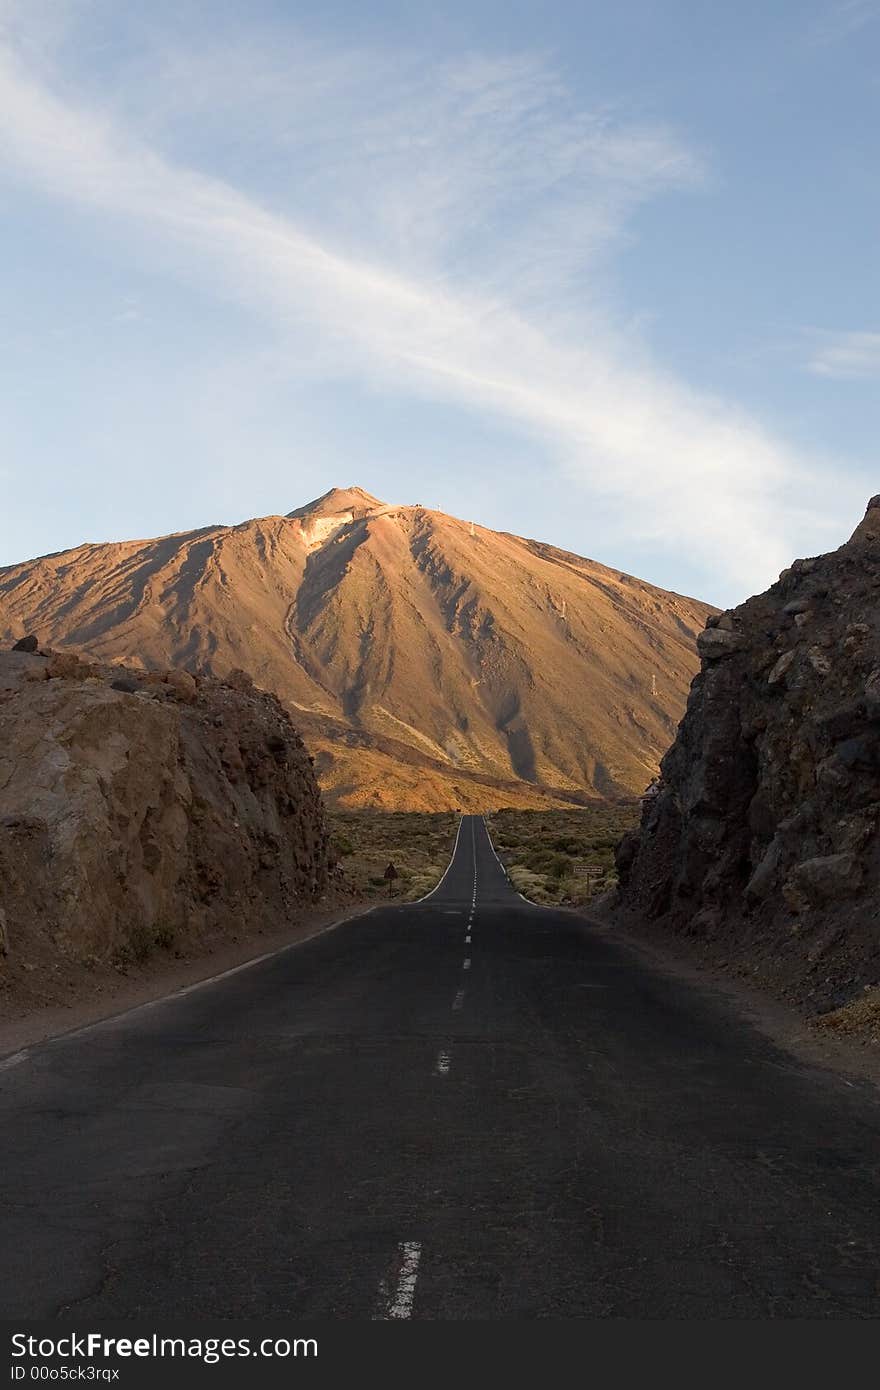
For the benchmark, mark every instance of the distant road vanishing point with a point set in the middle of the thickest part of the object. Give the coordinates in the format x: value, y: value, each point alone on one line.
x: 464, y: 1108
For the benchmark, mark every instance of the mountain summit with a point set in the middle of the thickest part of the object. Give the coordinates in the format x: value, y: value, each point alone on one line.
x: 429, y: 662
x: 340, y: 501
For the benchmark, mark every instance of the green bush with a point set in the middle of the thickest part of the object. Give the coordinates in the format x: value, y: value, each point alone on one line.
x: 560, y: 866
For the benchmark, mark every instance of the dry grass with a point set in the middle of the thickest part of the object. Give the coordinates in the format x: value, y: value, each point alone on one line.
x: 541, y: 849
x: 419, y: 845
x: 858, y: 1019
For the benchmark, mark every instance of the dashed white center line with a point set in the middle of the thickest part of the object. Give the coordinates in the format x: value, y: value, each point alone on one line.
x: 401, y: 1303
x: 441, y: 1066
x: 458, y: 1001
x: 467, y: 940
x: 467, y: 963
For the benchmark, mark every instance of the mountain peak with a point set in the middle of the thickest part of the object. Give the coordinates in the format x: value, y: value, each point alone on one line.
x: 338, y: 500
x: 427, y: 665
x: 868, y: 528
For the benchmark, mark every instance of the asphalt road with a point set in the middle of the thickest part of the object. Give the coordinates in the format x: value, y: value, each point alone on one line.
x: 465, y: 1108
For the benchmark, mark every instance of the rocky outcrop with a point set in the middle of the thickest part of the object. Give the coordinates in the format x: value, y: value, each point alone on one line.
x: 762, y: 837
x: 145, y: 811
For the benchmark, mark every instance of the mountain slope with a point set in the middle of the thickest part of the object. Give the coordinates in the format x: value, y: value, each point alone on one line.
x: 429, y: 663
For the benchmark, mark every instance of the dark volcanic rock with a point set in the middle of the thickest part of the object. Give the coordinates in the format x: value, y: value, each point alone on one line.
x: 764, y: 830
x: 26, y: 644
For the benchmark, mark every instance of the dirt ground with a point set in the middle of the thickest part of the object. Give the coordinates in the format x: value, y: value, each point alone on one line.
x: 24, y: 1022
x: 852, y: 1052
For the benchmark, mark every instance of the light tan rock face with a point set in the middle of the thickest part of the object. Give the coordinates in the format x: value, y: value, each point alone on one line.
x: 159, y: 813
x: 763, y: 838
x: 428, y: 664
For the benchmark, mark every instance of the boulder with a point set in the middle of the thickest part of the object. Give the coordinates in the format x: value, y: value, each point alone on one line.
x: 819, y: 660
x: 824, y: 879
x: 714, y: 643
x: 183, y: 686
x: 66, y: 666
x: 764, y: 879
x: 781, y: 667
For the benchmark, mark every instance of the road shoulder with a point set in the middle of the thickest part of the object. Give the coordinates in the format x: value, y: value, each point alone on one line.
x: 159, y: 978
x: 853, y: 1061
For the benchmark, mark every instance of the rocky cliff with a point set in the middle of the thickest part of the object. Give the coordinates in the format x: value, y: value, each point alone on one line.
x: 142, y: 813
x: 762, y: 838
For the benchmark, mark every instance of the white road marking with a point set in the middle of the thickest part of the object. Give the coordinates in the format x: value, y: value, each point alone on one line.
x: 458, y: 1001
x: 9, y: 1062
x: 448, y: 866
x: 467, y: 940
x: 467, y: 963
x: 544, y: 906
x: 441, y: 1066
x: 402, y: 1302
x: 136, y: 1009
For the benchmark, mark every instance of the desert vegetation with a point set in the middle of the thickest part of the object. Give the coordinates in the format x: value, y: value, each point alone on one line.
x: 418, y: 845
x: 545, y: 852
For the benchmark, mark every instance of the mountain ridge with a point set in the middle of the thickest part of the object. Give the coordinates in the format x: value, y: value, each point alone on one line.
x: 430, y: 662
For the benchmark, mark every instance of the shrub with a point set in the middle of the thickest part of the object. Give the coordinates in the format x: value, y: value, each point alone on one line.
x: 141, y: 940
x: 559, y: 866
x: 164, y: 937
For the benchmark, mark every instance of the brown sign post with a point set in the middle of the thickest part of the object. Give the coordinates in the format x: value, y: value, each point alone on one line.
x: 592, y: 872
x: 390, y: 875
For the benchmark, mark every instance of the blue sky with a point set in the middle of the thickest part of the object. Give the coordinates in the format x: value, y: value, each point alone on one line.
x: 604, y: 275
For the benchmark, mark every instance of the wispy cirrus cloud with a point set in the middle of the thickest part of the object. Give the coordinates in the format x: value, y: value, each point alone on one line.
x: 849, y: 356
x: 478, y: 167
x: 430, y: 233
